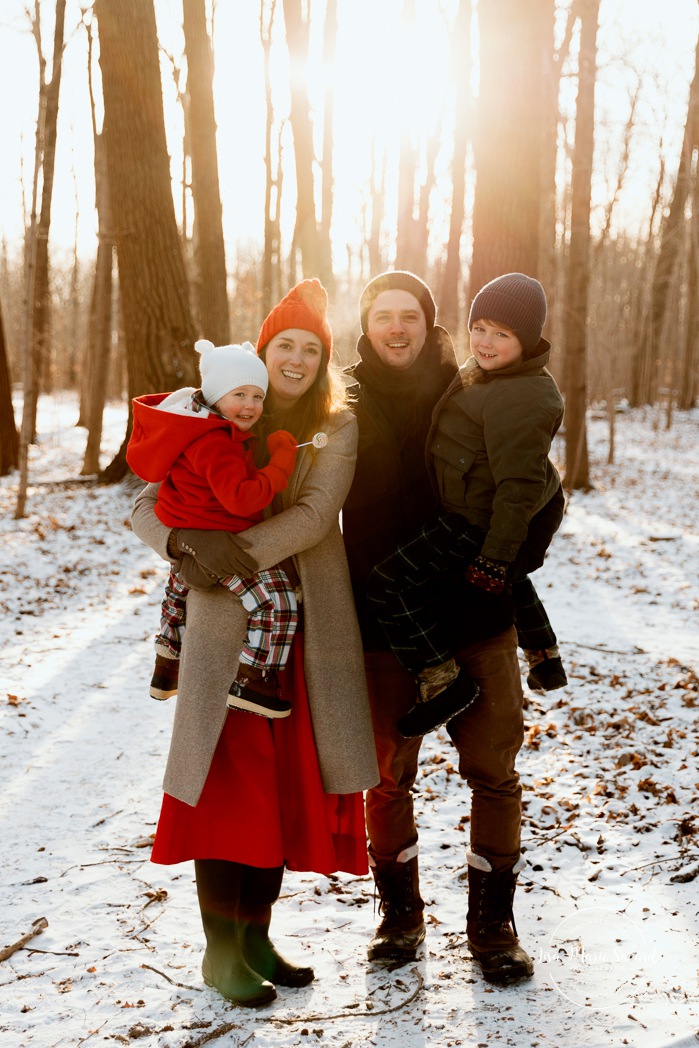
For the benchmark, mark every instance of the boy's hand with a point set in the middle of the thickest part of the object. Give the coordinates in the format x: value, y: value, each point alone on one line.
x: 488, y: 575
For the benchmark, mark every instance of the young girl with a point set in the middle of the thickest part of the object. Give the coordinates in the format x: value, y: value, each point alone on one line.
x: 199, y: 444
x: 501, y: 495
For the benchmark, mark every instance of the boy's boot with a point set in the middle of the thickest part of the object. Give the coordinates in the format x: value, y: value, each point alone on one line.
x: 546, y: 671
x: 166, y: 673
x: 402, y: 927
x: 257, y: 691
x: 259, y: 890
x: 490, y: 922
x: 443, y: 692
x: 224, y: 966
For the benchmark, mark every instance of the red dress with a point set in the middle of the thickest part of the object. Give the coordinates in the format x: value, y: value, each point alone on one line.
x: 263, y: 802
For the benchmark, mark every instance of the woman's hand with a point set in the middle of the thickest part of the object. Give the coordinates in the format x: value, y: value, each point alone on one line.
x: 219, y: 553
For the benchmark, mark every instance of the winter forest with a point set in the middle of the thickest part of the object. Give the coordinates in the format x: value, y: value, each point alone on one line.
x: 170, y: 170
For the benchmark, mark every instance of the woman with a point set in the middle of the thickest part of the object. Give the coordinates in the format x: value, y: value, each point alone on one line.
x: 245, y: 796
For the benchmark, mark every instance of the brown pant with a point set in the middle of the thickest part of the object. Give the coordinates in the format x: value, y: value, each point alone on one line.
x: 487, y: 736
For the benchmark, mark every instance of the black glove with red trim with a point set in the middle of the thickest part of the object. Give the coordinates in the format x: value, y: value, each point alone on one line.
x: 488, y: 575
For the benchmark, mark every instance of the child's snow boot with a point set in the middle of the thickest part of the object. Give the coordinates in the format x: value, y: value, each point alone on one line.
x: 163, y: 683
x: 443, y: 692
x: 546, y: 671
x: 257, y: 691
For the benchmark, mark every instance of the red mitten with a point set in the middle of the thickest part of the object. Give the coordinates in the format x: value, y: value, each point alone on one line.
x: 282, y: 449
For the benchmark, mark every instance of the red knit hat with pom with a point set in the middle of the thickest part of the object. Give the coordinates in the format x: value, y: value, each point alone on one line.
x: 304, y: 307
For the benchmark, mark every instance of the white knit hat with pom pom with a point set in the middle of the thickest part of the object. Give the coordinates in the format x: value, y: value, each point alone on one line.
x: 224, y: 368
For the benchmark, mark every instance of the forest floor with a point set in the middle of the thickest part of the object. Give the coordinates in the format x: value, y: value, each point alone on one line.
x: 608, y: 905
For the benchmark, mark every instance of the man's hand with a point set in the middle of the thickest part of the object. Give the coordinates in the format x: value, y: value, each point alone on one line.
x: 488, y: 575
x: 219, y: 553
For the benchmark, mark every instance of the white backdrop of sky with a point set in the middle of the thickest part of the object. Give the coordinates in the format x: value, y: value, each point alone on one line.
x: 384, y: 80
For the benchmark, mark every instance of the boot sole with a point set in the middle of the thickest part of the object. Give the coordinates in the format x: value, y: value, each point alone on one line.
x: 502, y: 976
x: 161, y: 694
x: 254, y: 707
x: 552, y: 685
x: 240, y: 697
x: 304, y: 977
x: 395, y: 953
x: 496, y: 979
x: 403, y: 956
x: 249, y: 1002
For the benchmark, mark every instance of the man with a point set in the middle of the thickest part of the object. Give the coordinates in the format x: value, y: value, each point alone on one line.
x: 406, y: 364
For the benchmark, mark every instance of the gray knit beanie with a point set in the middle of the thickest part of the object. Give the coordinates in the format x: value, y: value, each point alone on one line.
x: 401, y: 280
x: 516, y: 300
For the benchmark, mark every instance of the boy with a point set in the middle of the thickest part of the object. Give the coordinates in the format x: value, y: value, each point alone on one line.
x: 501, y: 495
x: 199, y: 445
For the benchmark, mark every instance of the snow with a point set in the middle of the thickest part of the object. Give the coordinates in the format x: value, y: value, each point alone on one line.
x: 608, y: 905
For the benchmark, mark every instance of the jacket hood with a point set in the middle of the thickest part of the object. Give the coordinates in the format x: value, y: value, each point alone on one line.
x: 528, y: 366
x: 160, y: 437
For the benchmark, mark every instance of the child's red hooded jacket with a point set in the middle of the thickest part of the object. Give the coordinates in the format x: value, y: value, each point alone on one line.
x: 205, y: 467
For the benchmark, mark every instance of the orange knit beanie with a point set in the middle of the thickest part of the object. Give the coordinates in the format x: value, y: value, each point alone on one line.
x: 305, y: 308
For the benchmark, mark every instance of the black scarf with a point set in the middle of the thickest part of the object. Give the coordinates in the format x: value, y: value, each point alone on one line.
x: 406, y: 396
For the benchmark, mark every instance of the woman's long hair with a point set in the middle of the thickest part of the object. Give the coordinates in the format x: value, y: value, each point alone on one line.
x: 310, y: 413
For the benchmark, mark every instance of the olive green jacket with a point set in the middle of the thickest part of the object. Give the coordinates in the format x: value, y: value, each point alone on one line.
x: 489, y: 444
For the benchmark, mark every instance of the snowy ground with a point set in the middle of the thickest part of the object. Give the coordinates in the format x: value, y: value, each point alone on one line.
x: 608, y: 906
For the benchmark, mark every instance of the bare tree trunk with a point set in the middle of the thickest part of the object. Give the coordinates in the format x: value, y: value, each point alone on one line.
x: 9, y: 438
x: 510, y: 109
x: 666, y: 267
x: 29, y: 363
x: 577, y: 473
x: 643, y: 365
x: 461, y: 65
x: 99, y: 345
x: 42, y: 313
x: 407, y: 167
x: 158, y: 326
x: 75, y: 303
x: 306, y: 232
x: 421, y: 230
x: 99, y: 340
x: 273, y: 185
x: 378, y: 195
x: 412, y: 226
x: 326, y: 214
x: 211, y: 295
x: 690, y: 357
x: 601, y: 249
x: 550, y: 65
x: 99, y: 333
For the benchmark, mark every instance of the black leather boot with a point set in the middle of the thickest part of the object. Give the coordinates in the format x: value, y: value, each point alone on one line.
x: 402, y: 928
x: 259, y: 890
x: 490, y: 923
x: 224, y: 966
